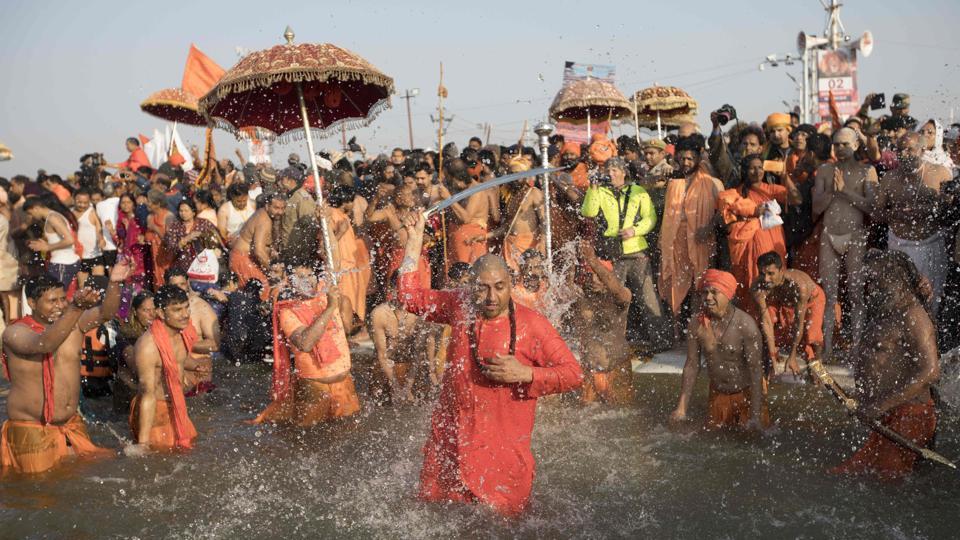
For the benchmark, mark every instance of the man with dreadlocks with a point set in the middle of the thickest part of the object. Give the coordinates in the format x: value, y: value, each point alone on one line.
x: 503, y: 356
x: 897, y: 363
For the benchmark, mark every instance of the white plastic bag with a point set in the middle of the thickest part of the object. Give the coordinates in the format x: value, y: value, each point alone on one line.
x: 205, y: 268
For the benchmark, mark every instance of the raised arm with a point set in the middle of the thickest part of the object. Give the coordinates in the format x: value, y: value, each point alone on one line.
x: 306, y: 337
x: 436, y: 306
x: 27, y: 344
x: 96, y: 316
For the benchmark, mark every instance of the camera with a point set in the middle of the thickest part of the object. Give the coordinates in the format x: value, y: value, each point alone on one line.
x: 725, y: 114
x: 878, y: 101
x: 353, y: 146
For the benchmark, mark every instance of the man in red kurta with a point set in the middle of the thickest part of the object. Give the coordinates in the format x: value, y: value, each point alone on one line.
x: 503, y: 356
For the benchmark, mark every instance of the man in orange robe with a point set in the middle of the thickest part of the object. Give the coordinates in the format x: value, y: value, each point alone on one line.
x: 687, y: 235
x: 502, y: 358
x: 741, y: 209
x: 354, y: 277
x: 138, y: 158
x: 41, y: 359
x: 158, y: 414
x: 256, y: 245
x: 530, y: 287
x: 311, y: 326
x: 469, y: 226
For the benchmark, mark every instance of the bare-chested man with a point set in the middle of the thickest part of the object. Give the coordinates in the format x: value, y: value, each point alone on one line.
x: 253, y: 251
x: 601, y: 322
x: 895, y: 366
x: 730, y: 342
x: 158, y: 415
x: 406, y: 346
x: 41, y: 357
x: 530, y: 284
x: 468, y: 236
x: 402, y: 205
x: 910, y: 201
x: 843, y: 193
x: 198, y: 371
x: 791, y: 306
x: 525, y: 212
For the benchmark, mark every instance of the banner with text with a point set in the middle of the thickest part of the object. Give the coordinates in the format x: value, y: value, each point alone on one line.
x: 837, y: 71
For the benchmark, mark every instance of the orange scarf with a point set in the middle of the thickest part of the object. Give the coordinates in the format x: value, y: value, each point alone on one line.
x: 182, y: 426
x: 324, y: 352
x: 47, y: 363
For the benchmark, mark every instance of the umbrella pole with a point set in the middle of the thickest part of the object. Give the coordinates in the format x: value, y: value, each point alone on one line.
x: 324, y: 227
x: 659, y: 131
x: 588, y: 125
x: 636, y: 120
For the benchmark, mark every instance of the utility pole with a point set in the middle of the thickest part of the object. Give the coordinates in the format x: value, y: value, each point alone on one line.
x: 408, y: 95
x: 443, y: 122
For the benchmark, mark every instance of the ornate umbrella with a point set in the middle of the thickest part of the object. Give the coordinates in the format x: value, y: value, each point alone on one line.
x: 5, y: 153
x: 663, y: 106
x: 299, y: 91
x: 590, y: 98
x: 175, y: 105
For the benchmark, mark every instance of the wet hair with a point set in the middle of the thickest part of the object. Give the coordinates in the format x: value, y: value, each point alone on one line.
x: 171, y: 273
x: 340, y: 195
x: 768, y: 258
x: 745, y: 172
x: 237, y: 190
x: 897, y: 265
x: 140, y: 298
x: 169, y: 295
x: 456, y: 169
x: 458, y: 270
x: 38, y: 285
x: 820, y: 145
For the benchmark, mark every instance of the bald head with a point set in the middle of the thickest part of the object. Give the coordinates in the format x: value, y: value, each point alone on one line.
x: 845, y: 143
x: 489, y: 263
x: 492, y: 285
x: 845, y: 135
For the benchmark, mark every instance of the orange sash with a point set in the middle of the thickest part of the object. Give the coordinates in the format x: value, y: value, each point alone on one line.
x: 182, y: 425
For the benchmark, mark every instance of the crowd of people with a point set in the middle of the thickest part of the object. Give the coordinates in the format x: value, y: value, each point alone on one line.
x: 765, y: 248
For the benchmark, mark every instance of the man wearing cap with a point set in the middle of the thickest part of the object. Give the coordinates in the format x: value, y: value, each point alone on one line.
x: 900, y: 106
x: 300, y: 202
x: 730, y: 342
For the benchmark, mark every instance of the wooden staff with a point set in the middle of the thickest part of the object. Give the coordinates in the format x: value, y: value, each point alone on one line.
x: 442, y: 93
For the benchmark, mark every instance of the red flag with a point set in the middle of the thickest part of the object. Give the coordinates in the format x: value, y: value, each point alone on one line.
x: 144, y: 139
x: 201, y: 73
x: 175, y: 159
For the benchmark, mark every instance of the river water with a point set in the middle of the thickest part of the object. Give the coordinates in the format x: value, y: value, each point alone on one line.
x: 601, y: 473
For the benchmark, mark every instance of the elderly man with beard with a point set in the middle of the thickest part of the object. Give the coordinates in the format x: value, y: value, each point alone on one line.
x: 911, y: 203
x: 843, y: 194
x: 502, y: 358
x: 257, y: 243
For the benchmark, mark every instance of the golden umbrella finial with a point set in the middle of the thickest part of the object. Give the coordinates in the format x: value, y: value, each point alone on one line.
x: 288, y: 35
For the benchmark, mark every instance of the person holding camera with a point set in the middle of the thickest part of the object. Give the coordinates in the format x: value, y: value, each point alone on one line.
x: 745, y: 140
x: 625, y: 215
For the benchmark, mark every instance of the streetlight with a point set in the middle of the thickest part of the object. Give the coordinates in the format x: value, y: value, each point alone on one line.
x: 408, y: 95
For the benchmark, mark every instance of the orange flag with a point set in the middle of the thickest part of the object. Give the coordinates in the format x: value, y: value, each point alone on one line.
x: 201, y: 73
x: 144, y: 139
x: 834, y: 112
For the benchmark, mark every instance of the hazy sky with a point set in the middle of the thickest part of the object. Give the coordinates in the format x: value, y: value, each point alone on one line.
x: 74, y: 73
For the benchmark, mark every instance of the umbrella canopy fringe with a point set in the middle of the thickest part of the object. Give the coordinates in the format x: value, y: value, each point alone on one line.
x: 299, y: 134
x: 293, y: 75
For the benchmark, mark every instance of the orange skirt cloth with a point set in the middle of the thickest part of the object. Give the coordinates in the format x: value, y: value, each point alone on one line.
x: 784, y: 320
x: 162, y: 435
x: 242, y: 264
x: 463, y: 252
x: 314, y: 402
x: 886, y: 459
x: 514, y: 245
x: 32, y: 447
x: 732, y: 410
x: 614, y: 387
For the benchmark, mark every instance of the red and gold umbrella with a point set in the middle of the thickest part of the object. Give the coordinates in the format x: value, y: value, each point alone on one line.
x: 175, y: 105
x: 299, y: 90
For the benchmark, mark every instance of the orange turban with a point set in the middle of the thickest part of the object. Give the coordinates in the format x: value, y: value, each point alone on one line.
x: 723, y: 282
x: 602, y: 148
x: 778, y: 119
x: 570, y: 147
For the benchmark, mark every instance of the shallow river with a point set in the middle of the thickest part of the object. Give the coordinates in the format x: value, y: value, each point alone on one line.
x: 601, y: 473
